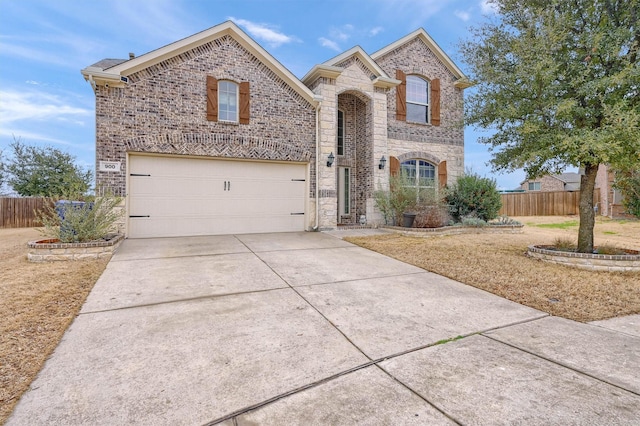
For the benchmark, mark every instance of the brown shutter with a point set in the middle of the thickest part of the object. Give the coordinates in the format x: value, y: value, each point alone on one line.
x: 212, y: 98
x: 435, y: 102
x: 394, y: 166
x: 401, y: 96
x: 244, y: 102
x: 442, y: 174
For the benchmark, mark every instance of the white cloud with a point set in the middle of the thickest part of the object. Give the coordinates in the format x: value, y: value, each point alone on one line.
x: 157, y: 20
x: 488, y: 7
x: 339, y: 35
x: 26, y: 135
x: 464, y: 15
x: 34, y: 54
x: 329, y: 43
x: 412, y: 13
x: 375, y: 31
x: 264, y: 32
x: 38, y: 106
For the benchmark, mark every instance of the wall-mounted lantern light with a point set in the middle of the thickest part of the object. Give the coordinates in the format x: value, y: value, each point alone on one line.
x: 383, y: 161
x: 330, y: 159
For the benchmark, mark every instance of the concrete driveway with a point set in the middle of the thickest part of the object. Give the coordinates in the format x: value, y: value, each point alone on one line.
x: 304, y: 328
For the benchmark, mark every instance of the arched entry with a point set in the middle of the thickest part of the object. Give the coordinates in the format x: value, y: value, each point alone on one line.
x: 354, y: 159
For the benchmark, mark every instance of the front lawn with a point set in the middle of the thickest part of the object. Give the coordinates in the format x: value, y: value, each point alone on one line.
x: 497, y: 263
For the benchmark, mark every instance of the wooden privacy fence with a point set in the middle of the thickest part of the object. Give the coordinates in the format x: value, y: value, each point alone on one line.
x: 19, y: 212
x: 551, y: 203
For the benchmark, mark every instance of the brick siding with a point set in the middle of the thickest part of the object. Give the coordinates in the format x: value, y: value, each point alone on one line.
x: 163, y: 110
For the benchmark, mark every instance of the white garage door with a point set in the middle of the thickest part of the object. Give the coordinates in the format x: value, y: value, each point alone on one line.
x: 171, y: 196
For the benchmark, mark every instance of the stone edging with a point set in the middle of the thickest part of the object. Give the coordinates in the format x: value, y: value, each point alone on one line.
x: 456, y: 230
x: 593, y: 262
x: 56, y: 251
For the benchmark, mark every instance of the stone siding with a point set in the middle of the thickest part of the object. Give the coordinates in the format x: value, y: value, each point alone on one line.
x: 46, y: 251
x: 593, y: 262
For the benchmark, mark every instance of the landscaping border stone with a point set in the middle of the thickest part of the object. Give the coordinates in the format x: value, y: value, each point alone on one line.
x: 51, y: 250
x: 456, y: 230
x: 594, y: 262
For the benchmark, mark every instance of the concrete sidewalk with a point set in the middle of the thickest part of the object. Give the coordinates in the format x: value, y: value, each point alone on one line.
x: 304, y: 328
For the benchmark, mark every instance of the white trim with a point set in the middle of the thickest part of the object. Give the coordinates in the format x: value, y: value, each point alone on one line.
x: 330, y: 70
x: 226, y: 28
x: 237, y: 87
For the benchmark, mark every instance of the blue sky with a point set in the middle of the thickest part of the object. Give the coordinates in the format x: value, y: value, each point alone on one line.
x: 44, y: 44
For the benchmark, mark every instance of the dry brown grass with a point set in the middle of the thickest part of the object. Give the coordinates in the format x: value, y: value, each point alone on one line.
x: 497, y: 263
x: 39, y: 301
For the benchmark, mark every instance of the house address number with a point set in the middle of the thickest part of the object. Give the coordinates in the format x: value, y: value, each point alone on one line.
x: 109, y: 166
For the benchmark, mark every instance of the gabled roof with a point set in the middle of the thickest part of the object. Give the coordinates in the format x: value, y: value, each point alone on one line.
x: 331, y: 70
x: 462, y: 80
x: 571, y: 180
x: 116, y: 75
x: 570, y: 177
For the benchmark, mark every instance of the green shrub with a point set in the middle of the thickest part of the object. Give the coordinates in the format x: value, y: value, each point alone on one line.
x: 629, y: 184
x: 92, y: 221
x: 474, y: 196
x: 402, y: 196
x: 474, y: 222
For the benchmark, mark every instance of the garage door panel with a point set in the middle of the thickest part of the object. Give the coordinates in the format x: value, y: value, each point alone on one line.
x: 186, y: 196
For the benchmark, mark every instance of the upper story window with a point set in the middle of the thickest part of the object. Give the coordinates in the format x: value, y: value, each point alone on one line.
x: 417, y: 99
x: 534, y: 186
x: 340, y: 132
x: 419, y: 172
x: 227, y: 101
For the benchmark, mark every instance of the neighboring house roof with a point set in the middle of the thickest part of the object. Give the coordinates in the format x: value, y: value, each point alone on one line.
x: 571, y: 180
x: 331, y: 69
x: 115, y: 73
x: 462, y: 80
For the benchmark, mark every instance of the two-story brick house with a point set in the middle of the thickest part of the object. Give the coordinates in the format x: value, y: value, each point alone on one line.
x: 212, y: 135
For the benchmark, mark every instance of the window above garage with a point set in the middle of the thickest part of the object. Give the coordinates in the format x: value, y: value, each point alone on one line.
x: 228, y: 101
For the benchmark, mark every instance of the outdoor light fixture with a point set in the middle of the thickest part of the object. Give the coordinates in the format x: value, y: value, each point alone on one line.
x: 330, y: 160
x: 383, y: 161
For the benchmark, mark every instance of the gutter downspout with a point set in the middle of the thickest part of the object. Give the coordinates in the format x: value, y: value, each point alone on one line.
x: 92, y: 82
x: 317, y: 224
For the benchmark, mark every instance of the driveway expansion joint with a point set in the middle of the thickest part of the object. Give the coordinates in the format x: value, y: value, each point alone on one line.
x: 560, y: 364
x: 188, y: 299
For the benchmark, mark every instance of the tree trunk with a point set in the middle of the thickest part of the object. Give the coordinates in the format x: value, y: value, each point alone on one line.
x: 587, y: 214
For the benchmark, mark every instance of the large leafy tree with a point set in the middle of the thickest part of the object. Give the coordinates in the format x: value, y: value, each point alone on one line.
x: 558, y: 82
x: 35, y: 171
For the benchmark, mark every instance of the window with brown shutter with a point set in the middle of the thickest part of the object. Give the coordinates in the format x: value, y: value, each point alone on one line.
x: 435, y: 102
x: 212, y: 98
x: 401, y: 96
x: 394, y: 166
x: 442, y: 173
x: 244, y: 102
